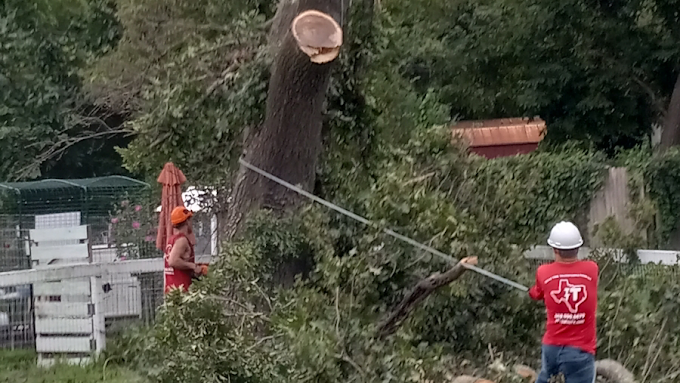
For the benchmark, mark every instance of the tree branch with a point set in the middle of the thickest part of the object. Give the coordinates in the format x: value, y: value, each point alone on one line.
x: 421, y: 291
x: 57, y: 149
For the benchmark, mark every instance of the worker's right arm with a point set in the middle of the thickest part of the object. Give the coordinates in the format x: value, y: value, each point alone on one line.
x: 536, y: 291
x: 176, y: 259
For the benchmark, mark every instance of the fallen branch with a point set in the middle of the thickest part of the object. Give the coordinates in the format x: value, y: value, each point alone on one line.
x: 613, y: 371
x: 421, y: 291
x: 469, y: 379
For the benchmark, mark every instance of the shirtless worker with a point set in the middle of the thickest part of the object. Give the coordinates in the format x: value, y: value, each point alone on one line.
x: 568, y: 287
x: 179, y: 256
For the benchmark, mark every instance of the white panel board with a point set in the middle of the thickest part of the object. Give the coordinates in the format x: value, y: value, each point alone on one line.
x: 103, y: 254
x: 66, y: 287
x: 49, y: 221
x: 82, y: 270
x: 62, y: 310
x: 124, y: 299
x: 98, y: 319
x: 77, y: 233
x: 665, y: 257
x: 63, y: 326
x: 41, y: 254
x: 71, y: 344
x: 45, y: 362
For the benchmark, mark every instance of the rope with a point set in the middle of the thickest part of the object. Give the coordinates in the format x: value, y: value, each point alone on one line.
x: 389, y: 232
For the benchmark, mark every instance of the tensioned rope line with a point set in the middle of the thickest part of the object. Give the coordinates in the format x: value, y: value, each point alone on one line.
x: 392, y: 233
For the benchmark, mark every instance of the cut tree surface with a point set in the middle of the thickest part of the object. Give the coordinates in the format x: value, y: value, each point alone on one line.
x: 421, y: 291
x: 318, y: 35
x: 526, y: 372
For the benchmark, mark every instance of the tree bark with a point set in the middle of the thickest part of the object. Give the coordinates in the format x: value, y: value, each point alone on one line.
x: 421, y: 291
x: 613, y: 371
x: 670, y: 136
x: 288, y: 143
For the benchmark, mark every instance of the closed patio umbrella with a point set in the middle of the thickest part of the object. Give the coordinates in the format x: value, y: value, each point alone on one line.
x: 172, y: 179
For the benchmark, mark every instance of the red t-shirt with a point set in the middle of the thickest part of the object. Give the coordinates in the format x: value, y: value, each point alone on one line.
x: 176, y: 278
x: 569, y: 291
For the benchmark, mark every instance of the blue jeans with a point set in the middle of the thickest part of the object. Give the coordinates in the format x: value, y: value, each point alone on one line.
x: 576, y: 365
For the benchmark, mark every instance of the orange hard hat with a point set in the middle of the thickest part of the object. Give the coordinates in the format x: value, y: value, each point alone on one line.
x: 180, y: 214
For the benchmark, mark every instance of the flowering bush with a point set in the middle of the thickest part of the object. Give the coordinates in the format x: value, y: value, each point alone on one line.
x: 134, y: 226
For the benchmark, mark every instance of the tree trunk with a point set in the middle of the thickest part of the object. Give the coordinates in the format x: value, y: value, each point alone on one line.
x: 289, y: 142
x: 670, y: 136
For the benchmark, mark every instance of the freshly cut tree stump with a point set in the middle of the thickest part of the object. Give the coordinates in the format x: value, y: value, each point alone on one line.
x: 318, y: 35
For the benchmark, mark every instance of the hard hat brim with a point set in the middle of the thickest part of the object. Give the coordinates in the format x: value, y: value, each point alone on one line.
x: 562, y: 247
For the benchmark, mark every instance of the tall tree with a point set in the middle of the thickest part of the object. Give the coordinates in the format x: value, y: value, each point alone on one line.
x: 289, y: 141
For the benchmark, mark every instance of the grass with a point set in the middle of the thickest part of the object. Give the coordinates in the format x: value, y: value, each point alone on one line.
x: 20, y: 367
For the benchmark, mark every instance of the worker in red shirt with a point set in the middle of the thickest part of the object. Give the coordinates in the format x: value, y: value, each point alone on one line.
x: 180, y: 260
x: 568, y: 287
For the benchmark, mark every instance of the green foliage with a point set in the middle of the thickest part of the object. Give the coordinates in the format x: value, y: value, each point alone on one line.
x: 239, y: 326
x: 45, y: 44
x: 638, y: 310
x: 194, y: 80
x: 235, y: 327
x: 21, y: 367
x: 655, y: 188
x: 663, y: 175
x: 566, y: 63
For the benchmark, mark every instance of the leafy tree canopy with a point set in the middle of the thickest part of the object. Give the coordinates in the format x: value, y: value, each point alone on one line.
x: 44, y: 45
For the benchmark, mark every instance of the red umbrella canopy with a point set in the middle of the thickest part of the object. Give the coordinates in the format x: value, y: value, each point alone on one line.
x: 172, y: 179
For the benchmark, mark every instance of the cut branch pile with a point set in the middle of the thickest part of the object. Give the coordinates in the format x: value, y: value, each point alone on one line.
x: 611, y: 370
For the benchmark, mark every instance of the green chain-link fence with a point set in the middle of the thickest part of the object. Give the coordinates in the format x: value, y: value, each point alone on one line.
x: 95, y: 202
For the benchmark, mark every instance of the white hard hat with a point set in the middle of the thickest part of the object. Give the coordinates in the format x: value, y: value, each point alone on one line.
x: 565, y: 236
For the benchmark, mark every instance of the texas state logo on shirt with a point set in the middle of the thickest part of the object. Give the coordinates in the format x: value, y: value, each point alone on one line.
x: 570, y: 295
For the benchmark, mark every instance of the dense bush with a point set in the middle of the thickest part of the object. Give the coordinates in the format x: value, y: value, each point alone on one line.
x: 240, y: 325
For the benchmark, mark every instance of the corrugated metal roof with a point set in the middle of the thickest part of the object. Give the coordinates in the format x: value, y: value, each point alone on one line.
x: 504, y: 131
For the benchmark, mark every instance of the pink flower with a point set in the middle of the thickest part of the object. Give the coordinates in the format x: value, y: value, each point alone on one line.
x: 138, y: 208
x: 136, y: 225
x: 114, y: 220
x: 149, y: 238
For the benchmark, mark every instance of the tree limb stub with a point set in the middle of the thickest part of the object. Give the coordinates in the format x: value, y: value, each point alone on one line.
x: 318, y: 35
x: 421, y: 291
